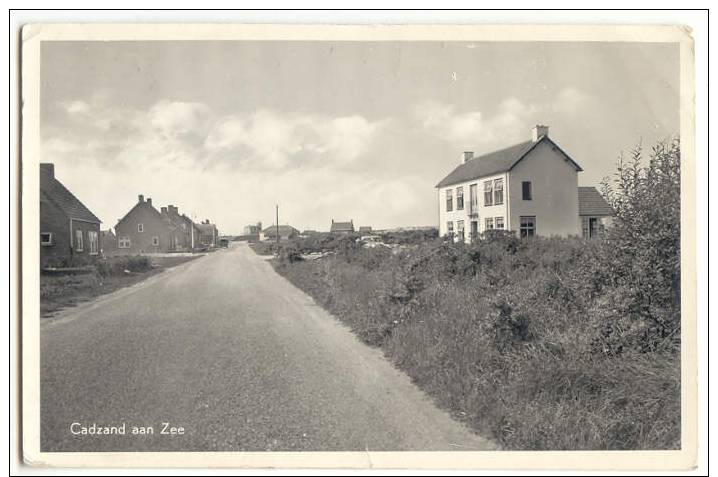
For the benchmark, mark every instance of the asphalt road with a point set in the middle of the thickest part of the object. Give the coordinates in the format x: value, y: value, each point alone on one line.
x: 233, y: 353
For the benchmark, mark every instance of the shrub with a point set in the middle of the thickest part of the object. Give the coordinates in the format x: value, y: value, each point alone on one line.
x: 642, y: 251
x: 116, y: 266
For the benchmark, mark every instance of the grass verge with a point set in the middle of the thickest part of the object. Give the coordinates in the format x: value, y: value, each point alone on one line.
x: 107, y: 275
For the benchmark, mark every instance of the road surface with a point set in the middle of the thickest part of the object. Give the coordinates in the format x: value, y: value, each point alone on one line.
x: 239, y: 359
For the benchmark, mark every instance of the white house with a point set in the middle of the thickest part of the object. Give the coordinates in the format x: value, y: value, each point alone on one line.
x: 531, y: 188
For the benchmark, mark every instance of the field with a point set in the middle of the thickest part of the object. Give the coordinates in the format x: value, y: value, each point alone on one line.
x: 556, y: 343
x: 107, y: 275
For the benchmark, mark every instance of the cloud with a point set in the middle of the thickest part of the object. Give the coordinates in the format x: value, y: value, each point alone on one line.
x: 271, y: 140
x: 184, y: 151
x: 471, y: 128
x: 509, y: 122
x: 571, y: 101
x: 77, y: 107
x: 180, y: 119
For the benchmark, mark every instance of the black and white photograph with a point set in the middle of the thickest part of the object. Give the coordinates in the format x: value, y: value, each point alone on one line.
x: 465, y: 244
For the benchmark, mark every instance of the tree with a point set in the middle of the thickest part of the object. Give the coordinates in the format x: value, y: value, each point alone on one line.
x: 642, y: 248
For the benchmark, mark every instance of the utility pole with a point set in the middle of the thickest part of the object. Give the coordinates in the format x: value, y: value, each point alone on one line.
x: 277, y: 229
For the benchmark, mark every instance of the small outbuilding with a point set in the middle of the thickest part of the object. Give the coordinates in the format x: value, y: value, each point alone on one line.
x: 595, y: 213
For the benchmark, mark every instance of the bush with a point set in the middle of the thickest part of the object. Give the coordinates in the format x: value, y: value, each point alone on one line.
x: 642, y: 252
x: 116, y: 266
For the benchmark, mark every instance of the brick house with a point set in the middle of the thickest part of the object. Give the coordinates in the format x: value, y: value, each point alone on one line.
x: 208, y: 233
x: 190, y: 237
x: 67, y: 228
x: 145, y: 230
x: 342, y: 227
x: 530, y: 187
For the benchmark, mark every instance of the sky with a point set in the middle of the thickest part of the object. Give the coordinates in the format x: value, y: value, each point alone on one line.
x: 332, y: 130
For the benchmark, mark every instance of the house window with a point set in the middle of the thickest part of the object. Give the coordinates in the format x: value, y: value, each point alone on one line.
x: 498, y: 191
x: 499, y: 222
x: 450, y: 229
x: 155, y: 241
x: 94, y: 242
x: 460, y: 230
x: 140, y: 227
x: 528, y: 226
x: 123, y: 242
x: 79, y: 246
x: 46, y: 238
x: 473, y: 199
x: 489, y: 224
x: 449, y: 200
x: 526, y: 190
x: 459, y: 198
x: 488, y: 193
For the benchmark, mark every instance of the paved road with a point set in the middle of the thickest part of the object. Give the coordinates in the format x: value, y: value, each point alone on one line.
x: 241, y: 359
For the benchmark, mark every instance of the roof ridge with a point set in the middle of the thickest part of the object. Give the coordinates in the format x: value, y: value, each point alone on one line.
x: 497, y: 162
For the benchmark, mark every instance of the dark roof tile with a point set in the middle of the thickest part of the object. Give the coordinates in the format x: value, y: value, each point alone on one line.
x: 53, y: 190
x: 342, y: 227
x: 591, y: 202
x: 495, y: 162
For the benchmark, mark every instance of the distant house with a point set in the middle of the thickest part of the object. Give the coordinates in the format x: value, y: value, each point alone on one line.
x: 594, y: 211
x: 365, y: 230
x: 530, y: 187
x: 108, y: 241
x: 309, y: 232
x: 208, y: 234
x: 67, y: 227
x: 190, y: 236
x: 342, y: 227
x: 145, y: 230
x: 253, y: 229
x: 285, y: 232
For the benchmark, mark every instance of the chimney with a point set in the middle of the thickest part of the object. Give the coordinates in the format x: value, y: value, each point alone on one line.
x: 141, y: 198
x: 172, y: 209
x: 468, y: 155
x: 47, y: 168
x: 149, y: 201
x: 538, y: 132
x: 163, y: 210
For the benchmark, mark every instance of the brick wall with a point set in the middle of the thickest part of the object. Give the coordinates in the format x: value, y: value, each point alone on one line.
x: 154, y: 225
x: 53, y: 220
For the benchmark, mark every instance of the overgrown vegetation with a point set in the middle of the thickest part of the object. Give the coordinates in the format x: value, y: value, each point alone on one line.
x: 541, y: 343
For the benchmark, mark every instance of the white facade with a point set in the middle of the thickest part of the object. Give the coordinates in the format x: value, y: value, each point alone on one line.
x: 554, y: 184
x: 549, y: 209
x: 497, y: 212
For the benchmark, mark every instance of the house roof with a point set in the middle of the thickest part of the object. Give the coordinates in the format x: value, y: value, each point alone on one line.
x: 496, y: 162
x: 283, y: 230
x: 342, y: 227
x: 156, y: 213
x: 591, y: 202
x: 53, y: 191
